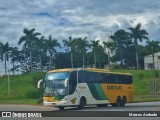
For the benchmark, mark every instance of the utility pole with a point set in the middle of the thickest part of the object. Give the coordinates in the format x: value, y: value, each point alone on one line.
x: 9, y: 86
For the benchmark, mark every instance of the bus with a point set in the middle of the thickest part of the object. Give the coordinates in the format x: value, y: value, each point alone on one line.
x: 80, y: 87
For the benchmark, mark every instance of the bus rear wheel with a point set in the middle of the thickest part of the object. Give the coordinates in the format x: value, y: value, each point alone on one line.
x: 82, y: 103
x: 123, y: 102
x: 118, y: 103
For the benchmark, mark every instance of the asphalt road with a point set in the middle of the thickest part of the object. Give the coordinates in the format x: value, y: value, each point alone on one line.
x: 143, y: 106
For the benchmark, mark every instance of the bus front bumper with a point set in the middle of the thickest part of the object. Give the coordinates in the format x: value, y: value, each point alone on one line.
x: 54, y: 104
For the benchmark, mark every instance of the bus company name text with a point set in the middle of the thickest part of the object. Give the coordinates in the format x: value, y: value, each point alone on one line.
x: 114, y: 87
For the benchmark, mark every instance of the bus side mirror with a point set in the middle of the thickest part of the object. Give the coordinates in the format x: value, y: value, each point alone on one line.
x: 66, y: 82
x: 39, y: 83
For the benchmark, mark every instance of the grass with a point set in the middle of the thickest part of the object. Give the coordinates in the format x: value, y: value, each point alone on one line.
x: 24, y: 91
x: 145, y: 98
x: 19, y: 101
x: 22, y: 86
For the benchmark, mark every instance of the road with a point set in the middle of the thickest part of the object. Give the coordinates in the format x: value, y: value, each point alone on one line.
x: 142, y: 106
x: 133, y: 107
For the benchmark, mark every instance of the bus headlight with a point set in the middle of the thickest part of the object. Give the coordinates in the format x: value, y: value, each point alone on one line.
x: 64, y: 99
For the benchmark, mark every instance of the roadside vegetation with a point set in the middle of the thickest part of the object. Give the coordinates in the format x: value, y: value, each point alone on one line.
x: 24, y: 91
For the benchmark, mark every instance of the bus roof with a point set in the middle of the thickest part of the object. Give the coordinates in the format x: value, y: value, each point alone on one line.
x: 61, y: 70
x: 89, y: 69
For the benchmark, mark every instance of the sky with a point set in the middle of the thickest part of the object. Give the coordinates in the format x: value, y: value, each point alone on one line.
x: 95, y: 19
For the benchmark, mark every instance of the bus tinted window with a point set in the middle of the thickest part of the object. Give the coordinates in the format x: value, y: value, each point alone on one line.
x: 86, y: 76
x: 82, y: 76
x: 126, y: 79
x: 95, y: 77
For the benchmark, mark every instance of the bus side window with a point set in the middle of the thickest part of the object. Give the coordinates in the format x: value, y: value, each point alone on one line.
x: 125, y: 79
x: 112, y: 78
x: 107, y: 78
x: 81, y: 77
x: 116, y: 79
x: 91, y: 77
x: 129, y: 79
x: 99, y: 78
x: 86, y: 77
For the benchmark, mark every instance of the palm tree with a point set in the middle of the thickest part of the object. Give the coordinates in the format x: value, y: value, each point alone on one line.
x: 51, y: 45
x: 82, y: 45
x: 14, y: 54
x: 136, y: 33
x: 95, y: 45
x: 70, y: 44
x: 41, y: 48
x: 29, y: 42
x: 110, y: 46
x: 153, y: 45
x: 5, y: 49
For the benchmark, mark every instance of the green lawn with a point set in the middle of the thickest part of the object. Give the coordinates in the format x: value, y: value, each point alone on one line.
x: 22, y: 86
x: 24, y: 91
x: 20, y: 101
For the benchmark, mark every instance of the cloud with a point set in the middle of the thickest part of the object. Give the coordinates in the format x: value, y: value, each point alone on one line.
x: 91, y: 18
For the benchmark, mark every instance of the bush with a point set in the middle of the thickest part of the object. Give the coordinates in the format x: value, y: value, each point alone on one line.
x: 32, y: 94
x: 38, y: 77
x: 156, y: 73
x: 140, y: 76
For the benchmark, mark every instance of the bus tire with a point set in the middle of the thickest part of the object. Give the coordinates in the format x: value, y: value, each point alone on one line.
x: 123, y: 102
x: 119, y: 101
x: 61, y: 107
x: 82, y: 103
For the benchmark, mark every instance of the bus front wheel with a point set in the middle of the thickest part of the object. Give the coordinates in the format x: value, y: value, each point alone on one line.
x: 82, y: 103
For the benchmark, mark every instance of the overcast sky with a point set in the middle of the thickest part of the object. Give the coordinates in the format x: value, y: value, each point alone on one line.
x: 62, y: 18
x: 79, y: 18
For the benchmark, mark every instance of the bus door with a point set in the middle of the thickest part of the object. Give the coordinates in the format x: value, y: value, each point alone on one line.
x: 73, y: 94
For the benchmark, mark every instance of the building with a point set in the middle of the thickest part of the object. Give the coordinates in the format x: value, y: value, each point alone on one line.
x: 148, y: 61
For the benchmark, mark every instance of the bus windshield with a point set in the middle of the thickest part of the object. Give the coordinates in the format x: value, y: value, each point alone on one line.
x: 54, y: 83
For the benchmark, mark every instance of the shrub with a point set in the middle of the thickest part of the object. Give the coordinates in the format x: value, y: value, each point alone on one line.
x: 32, y: 94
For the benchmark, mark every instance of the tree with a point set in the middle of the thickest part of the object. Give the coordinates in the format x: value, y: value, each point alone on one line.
x: 121, y: 43
x: 153, y: 45
x: 29, y: 42
x: 70, y: 44
x: 41, y: 48
x: 101, y: 56
x: 14, y: 54
x: 110, y: 46
x: 82, y: 45
x: 51, y: 45
x: 136, y: 33
x: 95, y: 45
x: 23, y: 59
x: 5, y: 49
